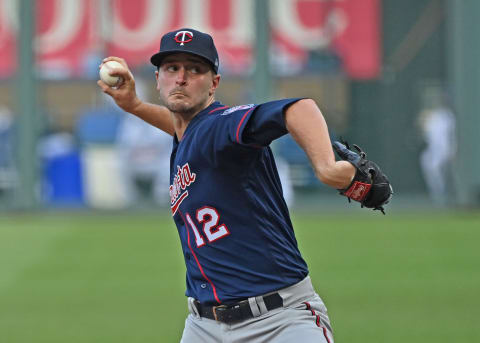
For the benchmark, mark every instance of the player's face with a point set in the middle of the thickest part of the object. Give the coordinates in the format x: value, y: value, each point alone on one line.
x: 186, y: 83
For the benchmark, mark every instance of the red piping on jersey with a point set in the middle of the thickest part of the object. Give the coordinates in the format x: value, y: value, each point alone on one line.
x: 218, y: 109
x: 177, y: 203
x: 196, y: 259
x: 241, y: 121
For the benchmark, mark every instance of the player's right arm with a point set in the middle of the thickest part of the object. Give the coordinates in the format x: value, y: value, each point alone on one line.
x: 125, y: 96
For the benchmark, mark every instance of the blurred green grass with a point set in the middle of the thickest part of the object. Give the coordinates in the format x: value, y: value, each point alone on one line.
x: 119, y: 277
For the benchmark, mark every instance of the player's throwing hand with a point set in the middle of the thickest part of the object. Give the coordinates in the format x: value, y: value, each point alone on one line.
x: 124, y: 93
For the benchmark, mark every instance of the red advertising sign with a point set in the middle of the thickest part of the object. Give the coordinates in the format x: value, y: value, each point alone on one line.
x: 73, y: 33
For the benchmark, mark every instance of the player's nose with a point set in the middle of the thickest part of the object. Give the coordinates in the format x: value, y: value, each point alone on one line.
x: 181, y: 76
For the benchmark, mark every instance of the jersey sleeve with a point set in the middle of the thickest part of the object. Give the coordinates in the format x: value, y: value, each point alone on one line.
x: 248, y: 125
x: 264, y: 123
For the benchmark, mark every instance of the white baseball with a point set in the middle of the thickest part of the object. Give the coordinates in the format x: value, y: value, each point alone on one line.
x: 105, y: 71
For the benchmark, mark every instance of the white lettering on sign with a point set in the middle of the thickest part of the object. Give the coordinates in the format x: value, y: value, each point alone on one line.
x: 156, y: 21
x: 8, y: 17
x: 195, y: 14
x: 285, y: 18
x: 74, y: 29
x: 66, y: 23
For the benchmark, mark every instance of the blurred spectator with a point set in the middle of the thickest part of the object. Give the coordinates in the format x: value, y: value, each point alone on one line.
x: 7, y: 165
x: 437, y: 123
x: 144, y: 158
x: 126, y: 161
x: 284, y: 173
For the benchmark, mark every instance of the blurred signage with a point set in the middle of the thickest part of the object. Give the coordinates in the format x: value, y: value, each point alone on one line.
x: 72, y: 35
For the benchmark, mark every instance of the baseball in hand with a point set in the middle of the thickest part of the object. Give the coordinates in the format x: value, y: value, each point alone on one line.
x: 105, y: 71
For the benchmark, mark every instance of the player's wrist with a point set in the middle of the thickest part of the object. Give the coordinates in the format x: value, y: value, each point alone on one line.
x: 337, y: 175
x: 348, y: 174
x: 135, y: 106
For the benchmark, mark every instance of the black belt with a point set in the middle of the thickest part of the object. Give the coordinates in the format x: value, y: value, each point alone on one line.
x: 238, y: 311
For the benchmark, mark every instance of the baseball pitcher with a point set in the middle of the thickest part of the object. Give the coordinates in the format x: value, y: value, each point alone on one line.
x: 246, y: 280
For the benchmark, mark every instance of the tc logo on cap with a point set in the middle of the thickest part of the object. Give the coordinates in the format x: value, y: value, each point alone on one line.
x: 186, y: 36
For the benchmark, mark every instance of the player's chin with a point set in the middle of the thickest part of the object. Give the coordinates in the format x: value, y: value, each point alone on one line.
x: 179, y: 106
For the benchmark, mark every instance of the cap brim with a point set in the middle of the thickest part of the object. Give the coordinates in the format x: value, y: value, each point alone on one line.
x: 156, y: 59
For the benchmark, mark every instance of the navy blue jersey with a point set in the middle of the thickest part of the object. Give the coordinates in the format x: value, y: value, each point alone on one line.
x: 227, y: 203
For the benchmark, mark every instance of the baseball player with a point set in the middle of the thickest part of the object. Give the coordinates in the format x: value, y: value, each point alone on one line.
x: 246, y: 279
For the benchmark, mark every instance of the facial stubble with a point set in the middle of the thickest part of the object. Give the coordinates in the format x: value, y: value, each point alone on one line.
x: 183, y: 107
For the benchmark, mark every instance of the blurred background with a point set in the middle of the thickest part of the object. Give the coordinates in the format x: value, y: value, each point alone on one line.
x: 396, y: 77
x: 84, y: 186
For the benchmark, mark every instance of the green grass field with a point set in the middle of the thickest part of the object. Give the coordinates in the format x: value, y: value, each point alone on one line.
x: 116, y: 277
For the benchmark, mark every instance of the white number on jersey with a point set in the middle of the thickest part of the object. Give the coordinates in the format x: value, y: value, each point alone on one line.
x: 209, y: 217
x: 198, y: 238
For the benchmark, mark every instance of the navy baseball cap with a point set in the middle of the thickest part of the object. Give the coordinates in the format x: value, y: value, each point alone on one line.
x: 189, y: 41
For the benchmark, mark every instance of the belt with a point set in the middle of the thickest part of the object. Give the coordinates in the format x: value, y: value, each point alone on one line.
x: 238, y: 311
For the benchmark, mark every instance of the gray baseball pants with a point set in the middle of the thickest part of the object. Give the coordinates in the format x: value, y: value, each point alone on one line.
x: 303, y: 318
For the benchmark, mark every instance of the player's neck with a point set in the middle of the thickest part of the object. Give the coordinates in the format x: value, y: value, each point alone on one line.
x: 182, y: 119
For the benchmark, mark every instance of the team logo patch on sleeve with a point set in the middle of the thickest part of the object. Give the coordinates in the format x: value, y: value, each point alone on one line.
x: 236, y: 108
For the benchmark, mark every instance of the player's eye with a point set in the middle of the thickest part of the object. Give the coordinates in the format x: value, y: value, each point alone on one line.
x: 171, y: 68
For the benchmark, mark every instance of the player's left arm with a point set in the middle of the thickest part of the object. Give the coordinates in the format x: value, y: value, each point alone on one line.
x: 356, y: 177
x: 306, y: 124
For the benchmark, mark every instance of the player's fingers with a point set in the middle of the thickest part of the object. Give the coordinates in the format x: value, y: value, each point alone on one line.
x: 105, y: 88
x: 123, y: 73
x: 117, y: 59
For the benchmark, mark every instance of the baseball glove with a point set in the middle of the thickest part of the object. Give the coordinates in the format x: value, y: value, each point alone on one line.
x: 370, y: 186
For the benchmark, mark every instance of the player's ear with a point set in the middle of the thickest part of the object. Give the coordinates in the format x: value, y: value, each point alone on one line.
x: 215, y: 83
x: 156, y: 79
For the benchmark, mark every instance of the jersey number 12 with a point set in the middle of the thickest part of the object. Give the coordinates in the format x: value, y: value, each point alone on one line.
x: 209, y: 217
